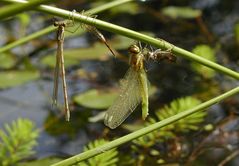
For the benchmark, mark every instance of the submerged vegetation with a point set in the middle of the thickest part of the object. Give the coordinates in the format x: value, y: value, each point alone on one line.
x: 175, y: 123
x: 17, y: 141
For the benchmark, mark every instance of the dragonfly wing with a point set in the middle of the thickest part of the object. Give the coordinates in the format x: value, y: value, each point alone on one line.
x: 126, y: 102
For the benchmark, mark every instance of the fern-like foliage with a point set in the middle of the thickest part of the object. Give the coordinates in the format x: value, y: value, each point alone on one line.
x: 105, y: 159
x: 17, y: 141
x: 182, y: 126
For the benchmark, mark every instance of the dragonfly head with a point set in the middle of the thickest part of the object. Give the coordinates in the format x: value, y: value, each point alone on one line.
x: 134, y: 49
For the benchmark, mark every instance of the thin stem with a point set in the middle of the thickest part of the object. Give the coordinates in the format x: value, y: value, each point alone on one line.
x: 107, y: 6
x: 52, y: 28
x: 11, y: 10
x: 28, y: 38
x: 135, y: 35
x: 229, y: 158
x: 115, y: 143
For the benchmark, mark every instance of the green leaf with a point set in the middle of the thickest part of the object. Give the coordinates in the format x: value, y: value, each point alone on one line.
x: 24, y: 19
x: 74, y: 56
x: 121, y: 42
x: 177, y: 106
x: 14, y: 78
x: 50, y: 61
x: 17, y: 141
x: 181, y: 12
x: 7, y: 60
x: 207, y: 52
x: 236, y: 32
x: 184, y: 125
x: 96, y: 99
x: 101, y: 99
x: 131, y: 8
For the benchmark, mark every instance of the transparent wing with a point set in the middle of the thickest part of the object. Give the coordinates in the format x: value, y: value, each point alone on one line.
x: 126, y: 102
x: 56, y: 74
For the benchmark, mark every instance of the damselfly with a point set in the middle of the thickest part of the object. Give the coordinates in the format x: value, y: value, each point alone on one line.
x: 133, y: 90
x: 60, y: 66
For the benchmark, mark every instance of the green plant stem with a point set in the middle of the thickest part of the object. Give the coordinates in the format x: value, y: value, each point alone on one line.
x: 135, y: 35
x: 54, y: 10
x: 18, y: 8
x: 115, y: 143
x: 27, y: 38
x: 107, y: 6
x: 52, y: 28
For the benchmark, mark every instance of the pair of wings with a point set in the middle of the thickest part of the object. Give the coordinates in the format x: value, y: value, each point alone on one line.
x: 129, y: 98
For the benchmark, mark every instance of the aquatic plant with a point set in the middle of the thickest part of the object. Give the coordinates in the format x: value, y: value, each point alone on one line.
x: 17, y: 141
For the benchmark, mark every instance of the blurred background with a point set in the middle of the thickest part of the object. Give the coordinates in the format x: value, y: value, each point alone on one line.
x: 209, y: 28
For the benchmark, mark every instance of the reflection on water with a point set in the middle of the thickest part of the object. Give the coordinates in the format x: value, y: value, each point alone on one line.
x: 33, y: 101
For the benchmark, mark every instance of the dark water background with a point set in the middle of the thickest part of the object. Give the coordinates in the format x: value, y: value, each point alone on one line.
x: 32, y: 100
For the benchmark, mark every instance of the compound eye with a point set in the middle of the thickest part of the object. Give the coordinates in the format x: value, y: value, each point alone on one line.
x: 134, y: 49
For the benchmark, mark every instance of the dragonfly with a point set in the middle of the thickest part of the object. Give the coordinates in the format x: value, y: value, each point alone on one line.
x: 59, y: 68
x: 133, y: 90
x: 134, y: 85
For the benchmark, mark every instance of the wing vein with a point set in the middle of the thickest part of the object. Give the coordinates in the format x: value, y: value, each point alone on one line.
x: 126, y: 102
